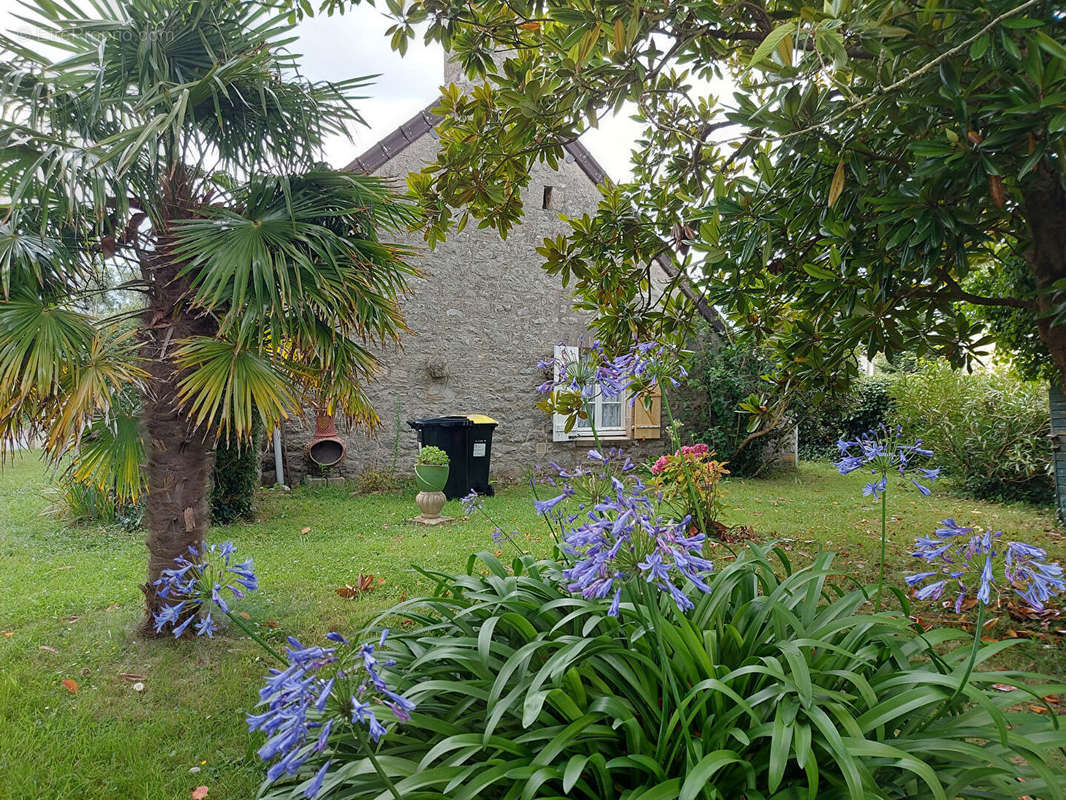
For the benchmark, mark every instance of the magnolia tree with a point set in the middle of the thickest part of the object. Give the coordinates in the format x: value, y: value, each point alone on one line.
x: 874, y: 162
x: 171, y: 148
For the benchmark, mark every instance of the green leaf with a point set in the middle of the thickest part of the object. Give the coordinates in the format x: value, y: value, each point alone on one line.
x: 772, y: 40
x: 704, y: 770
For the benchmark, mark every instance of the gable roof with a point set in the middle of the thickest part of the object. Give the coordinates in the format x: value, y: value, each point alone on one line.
x: 385, y: 149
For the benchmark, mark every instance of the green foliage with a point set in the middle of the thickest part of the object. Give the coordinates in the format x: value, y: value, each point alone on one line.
x: 433, y: 456
x: 74, y: 756
x: 865, y: 407
x: 187, y: 121
x: 1013, y: 328
x: 988, y: 430
x: 235, y: 479
x: 721, y: 377
x: 870, y: 155
x: 787, y: 688
x: 691, y: 483
x: 80, y: 503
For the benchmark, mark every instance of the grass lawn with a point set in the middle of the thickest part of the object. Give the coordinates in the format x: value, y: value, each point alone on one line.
x: 70, y: 604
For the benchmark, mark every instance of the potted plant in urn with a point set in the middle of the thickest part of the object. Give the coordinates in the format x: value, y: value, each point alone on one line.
x: 431, y: 474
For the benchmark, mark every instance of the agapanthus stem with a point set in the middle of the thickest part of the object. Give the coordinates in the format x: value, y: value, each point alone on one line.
x: 258, y: 639
x: 884, y: 542
x: 368, y: 749
x: 658, y: 619
x: 973, y: 654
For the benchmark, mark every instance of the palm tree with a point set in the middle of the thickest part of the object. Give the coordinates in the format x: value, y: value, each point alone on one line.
x: 169, y: 150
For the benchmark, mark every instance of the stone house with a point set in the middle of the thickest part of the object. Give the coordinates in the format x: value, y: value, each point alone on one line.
x: 481, y: 316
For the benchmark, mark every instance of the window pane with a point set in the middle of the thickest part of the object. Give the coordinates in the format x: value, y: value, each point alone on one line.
x: 610, y: 414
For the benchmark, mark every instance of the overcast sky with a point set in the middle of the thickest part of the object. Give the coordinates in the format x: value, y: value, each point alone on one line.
x: 355, y: 44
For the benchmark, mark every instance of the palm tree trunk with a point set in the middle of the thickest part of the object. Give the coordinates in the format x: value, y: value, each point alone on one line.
x: 179, y: 469
x: 180, y: 456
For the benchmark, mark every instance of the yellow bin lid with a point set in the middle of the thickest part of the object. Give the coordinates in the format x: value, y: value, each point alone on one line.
x: 481, y: 419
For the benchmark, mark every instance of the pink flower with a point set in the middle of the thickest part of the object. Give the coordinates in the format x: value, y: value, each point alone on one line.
x: 699, y: 449
x: 659, y: 466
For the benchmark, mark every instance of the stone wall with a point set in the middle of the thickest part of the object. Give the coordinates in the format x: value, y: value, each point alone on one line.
x: 482, y: 314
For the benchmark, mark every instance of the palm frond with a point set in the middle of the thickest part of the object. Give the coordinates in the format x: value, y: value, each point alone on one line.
x: 226, y: 383
x: 108, y: 370
x: 110, y: 456
x: 38, y: 342
x: 298, y: 242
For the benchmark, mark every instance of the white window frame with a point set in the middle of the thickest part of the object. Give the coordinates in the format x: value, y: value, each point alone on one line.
x: 582, y: 430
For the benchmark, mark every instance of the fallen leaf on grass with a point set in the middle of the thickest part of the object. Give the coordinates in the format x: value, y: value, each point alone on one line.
x: 199, y: 793
x: 48, y: 649
x: 8, y: 634
x: 131, y: 676
x: 1038, y: 709
x: 69, y: 685
x: 244, y: 614
x: 364, y: 583
x: 305, y: 530
x: 66, y: 566
x: 112, y: 607
x: 270, y: 623
x: 1002, y: 687
x: 73, y: 619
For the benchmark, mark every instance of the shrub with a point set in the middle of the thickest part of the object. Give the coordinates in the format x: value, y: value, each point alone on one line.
x: 988, y: 429
x: 721, y: 377
x: 235, y: 478
x: 377, y: 480
x: 80, y: 503
x: 865, y: 408
x: 690, y: 479
x: 787, y: 690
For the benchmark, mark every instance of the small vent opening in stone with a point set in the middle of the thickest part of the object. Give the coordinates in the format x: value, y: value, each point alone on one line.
x: 547, y: 201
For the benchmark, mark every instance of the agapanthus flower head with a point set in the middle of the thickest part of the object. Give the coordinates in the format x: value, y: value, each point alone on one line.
x: 882, y: 452
x: 199, y: 579
x: 977, y: 564
x: 591, y: 373
x: 471, y: 502
x: 320, y: 686
x: 583, y: 484
x: 623, y: 538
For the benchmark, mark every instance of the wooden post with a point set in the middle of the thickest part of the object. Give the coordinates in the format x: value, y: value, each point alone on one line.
x: 1057, y: 404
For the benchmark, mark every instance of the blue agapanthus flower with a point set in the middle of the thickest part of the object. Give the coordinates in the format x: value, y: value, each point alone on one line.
x: 320, y: 686
x: 593, y: 374
x: 977, y: 564
x: 883, y: 452
x: 197, y: 581
x: 622, y: 538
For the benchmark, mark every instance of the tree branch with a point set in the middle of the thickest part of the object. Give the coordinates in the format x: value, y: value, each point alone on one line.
x: 956, y: 292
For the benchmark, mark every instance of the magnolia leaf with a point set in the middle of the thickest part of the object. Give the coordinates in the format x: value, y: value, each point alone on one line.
x: 837, y: 185
x: 784, y: 49
x: 772, y: 40
x: 995, y: 188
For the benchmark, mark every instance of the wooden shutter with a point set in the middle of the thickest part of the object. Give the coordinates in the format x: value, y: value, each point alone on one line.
x: 567, y: 355
x: 647, y: 421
